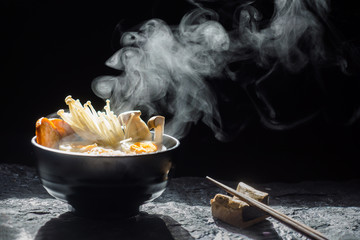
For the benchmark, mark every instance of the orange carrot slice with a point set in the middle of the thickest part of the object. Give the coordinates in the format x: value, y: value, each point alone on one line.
x: 143, y: 147
x: 46, y: 133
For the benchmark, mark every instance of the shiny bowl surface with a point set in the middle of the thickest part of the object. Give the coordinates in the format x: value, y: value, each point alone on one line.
x: 109, y: 186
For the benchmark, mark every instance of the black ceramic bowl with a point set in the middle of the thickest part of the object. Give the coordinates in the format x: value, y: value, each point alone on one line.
x: 104, y: 185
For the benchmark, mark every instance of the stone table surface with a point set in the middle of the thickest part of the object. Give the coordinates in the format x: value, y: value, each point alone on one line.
x: 27, y: 211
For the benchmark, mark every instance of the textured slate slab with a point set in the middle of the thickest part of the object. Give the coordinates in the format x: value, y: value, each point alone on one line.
x: 182, y: 212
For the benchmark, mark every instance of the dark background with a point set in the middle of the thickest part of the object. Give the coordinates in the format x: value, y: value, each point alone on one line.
x: 51, y: 49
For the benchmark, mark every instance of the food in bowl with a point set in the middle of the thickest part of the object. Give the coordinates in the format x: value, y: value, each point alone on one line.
x: 103, y: 185
x: 84, y: 130
x: 100, y: 172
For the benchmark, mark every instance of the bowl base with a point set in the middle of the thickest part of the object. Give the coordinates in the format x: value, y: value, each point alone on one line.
x: 105, y: 212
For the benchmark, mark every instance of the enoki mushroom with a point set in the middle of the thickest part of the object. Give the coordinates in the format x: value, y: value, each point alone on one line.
x: 101, y: 127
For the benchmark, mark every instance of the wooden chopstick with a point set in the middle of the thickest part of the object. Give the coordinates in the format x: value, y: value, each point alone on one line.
x: 297, y: 226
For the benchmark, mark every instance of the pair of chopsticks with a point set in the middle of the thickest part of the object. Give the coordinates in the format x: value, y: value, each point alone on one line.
x: 297, y: 226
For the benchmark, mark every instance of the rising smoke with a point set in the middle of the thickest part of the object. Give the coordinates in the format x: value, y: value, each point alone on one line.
x: 165, y: 69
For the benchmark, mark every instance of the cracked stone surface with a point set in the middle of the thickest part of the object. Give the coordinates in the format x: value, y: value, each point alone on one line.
x: 27, y: 211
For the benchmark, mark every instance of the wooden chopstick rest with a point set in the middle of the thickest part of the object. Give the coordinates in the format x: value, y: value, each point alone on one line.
x: 236, y: 212
x: 286, y: 220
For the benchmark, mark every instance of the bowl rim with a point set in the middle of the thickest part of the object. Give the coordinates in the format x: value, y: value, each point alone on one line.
x: 34, y: 143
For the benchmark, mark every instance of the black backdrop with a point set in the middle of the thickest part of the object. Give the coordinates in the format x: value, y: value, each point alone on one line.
x: 51, y: 49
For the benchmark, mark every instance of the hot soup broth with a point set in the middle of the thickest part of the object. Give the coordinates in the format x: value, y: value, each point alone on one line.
x: 82, y: 129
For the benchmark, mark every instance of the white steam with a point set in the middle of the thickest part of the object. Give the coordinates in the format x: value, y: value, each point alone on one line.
x: 164, y: 70
x: 293, y: 37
